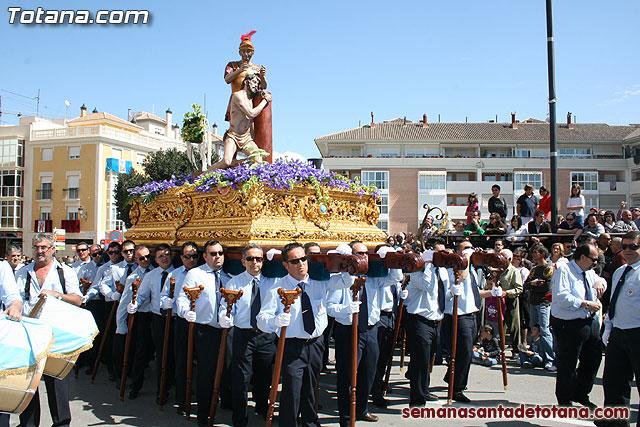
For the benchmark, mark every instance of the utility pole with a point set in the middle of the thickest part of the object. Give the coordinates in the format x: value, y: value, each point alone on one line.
x: 553, y: 149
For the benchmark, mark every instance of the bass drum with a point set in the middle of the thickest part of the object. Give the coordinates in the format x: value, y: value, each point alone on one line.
x: 73, y: 331
x: 24, y: 347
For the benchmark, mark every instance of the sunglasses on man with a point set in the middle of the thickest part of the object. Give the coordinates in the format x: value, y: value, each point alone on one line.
x: 632, y: 246
x: 297, y: 260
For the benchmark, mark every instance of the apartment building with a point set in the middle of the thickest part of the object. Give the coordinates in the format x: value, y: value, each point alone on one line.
x: 439, y: 164
x: 62, y: 173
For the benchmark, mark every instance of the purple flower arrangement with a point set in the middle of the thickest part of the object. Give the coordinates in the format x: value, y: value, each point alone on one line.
x: 282, y: 174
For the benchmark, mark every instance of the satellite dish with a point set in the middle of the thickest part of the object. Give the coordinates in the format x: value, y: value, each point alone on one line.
x: 67, y: 103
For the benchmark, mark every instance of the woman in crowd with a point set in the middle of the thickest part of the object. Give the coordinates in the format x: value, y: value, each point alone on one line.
x: 576, y: 203
x: 592, y: 227
x: 513, y: 230
x: 472, y: 206
x: 557, y: 255
x: 609, y: 221
x: 494, y: 226
x: 545, y: 201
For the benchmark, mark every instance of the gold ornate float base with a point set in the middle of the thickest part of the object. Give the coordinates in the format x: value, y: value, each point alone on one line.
x: 271, y: 218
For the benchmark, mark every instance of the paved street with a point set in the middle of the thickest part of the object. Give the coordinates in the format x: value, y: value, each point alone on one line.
x: 98, y: 404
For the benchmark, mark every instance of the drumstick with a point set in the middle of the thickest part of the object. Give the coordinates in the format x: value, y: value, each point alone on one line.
x: 230, y: 297
x: 355, y: 288
x: 192, y: 294
x: 107, y: 329
x: 287, y: 298
x: 165, y: 346
x: 127, y: 343
x: 396, y: 334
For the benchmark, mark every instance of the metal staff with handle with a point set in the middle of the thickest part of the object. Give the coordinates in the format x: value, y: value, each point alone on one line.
x: 287, y: 298
x: 165, y: 346
x: 105, y: 333
x: 396, y: 334
x: 127, y: 344
x: 192, y: 294
x: 358, y: 284
x: 230, y: 297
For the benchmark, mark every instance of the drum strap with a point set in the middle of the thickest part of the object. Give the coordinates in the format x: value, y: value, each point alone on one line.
x: 27, y: 286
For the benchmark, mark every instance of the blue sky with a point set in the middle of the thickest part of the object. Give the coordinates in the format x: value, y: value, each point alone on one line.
x: 331, y: 63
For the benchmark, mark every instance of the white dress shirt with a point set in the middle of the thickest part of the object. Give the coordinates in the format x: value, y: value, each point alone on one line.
x: 339, y: 300
x: 178, y: 274
x: 122, y: 315
x: 208, y: 303
x: 98, y: 281
x: 8, y: 288
x: 51, y: 282
x: 627, y: 314
x: 241, y: 311
x: 424, y: 292
x: 150, y: 288
x: 568, y: 291
x: 317, y: 292
x: 469, y: 301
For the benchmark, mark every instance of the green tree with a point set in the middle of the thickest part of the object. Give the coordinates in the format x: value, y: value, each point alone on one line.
x: 158, y: 166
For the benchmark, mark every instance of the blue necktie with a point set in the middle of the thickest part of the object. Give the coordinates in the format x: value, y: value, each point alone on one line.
x: 255, y: 303
x: 616, y: 292
x: 129, y: 270
x: 441, y: 293
x: 217, y: 291
x: 307, y: 311
x: 163, y: 279
x: 363, y: 316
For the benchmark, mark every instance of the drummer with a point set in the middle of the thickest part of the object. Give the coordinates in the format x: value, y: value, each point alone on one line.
x: 46, y: 276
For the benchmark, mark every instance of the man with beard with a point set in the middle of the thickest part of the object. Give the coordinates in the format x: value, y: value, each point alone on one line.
x: 242, y: 113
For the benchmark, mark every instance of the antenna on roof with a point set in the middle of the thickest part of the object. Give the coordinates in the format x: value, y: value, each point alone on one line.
x: 438, y: 117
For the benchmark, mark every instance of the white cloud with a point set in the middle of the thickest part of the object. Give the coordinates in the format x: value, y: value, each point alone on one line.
x: 623, y: 95
x: 289, y: 154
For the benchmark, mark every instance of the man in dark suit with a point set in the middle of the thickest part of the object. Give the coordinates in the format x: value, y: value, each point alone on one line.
x: 537, y: 226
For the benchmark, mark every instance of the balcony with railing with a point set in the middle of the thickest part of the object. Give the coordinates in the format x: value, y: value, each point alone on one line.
x: 100, y: 130
x: 44, y: 193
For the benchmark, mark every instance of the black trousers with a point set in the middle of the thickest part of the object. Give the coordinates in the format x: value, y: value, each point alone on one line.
x: 301, y: 363
x: 622, y: 361
x: 252, y: 352
x: 328, y: 332
x: 421, y: 337
x: 107, y: 355
x: 206, y: 346
x: 97, y: 308
x: 181, y: 342
x: 158, y: 326
x: 58, y: 399
x: 144, y: 347
x: 467, y: 330
x: 386, y: 326
x: 576, y: 341
x: 368, y: 352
